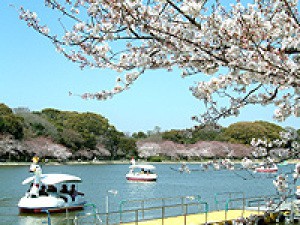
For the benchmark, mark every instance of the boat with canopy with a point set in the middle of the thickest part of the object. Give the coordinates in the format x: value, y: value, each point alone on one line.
x: 142, y: 173
x: 43, y: 195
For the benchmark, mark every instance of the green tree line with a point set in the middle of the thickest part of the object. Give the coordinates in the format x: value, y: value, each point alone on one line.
x: 74, y: 130
x: 79, y: 131
x: 237, y: 133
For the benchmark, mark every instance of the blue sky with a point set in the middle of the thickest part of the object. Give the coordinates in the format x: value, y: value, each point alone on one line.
x: 34, y: 75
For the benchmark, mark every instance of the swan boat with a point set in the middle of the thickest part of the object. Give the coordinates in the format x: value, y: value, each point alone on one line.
x: 141, y: 173
x: 55, y: 201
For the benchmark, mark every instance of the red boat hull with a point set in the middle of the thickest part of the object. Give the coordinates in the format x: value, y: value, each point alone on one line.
x: 266, y: 170
x: 141, y: 179
x: 51, y: 210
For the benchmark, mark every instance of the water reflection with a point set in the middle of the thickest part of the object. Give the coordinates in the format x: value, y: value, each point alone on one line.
x: 59, y: 219
x: 141, y: 190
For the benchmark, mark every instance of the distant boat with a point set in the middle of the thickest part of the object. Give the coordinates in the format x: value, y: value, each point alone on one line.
x: 36, y: 202
x: 267, y: 169
x: 141, y: 173
x: 184, y: 168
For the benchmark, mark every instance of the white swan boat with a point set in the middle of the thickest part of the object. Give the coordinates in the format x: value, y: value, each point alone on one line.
x: 55, y: 201
x: 141, y: 173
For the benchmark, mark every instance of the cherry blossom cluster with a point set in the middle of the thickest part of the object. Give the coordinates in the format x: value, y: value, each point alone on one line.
x: 286, y: 146
x: 296, y: 171
x: 281, y: 183
x: 32, y: 20
x: 247, y: 163
x: 249, y: 52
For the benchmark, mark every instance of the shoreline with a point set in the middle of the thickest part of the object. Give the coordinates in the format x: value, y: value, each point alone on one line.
x: 91, y: 163
x: 108, y: 162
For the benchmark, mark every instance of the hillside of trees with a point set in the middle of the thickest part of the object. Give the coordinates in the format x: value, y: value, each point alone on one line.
x: 62, y: 135
x: 77, y: 132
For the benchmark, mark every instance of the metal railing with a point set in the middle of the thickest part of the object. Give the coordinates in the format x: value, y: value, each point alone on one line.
x: 137, y: 215
x: 163, y: 208
x: 221, y: 198
x: 271, y: 202
x: 183, y: 207
x: 141, y: 204
x: 84, y: 215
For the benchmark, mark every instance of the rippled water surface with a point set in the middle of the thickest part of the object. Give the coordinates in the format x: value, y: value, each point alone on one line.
x: 98, y: 179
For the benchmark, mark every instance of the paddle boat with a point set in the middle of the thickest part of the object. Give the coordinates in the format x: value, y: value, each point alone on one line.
x: 38, y: 199
x: 141, y: 173
x: 267, y: 168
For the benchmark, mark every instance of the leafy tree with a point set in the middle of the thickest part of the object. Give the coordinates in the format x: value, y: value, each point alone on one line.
x: 52, y: 114
x: 86, y: 130
x: 156, y: 130
x: 173, y: 135
x: 56, y: 117
x: 36, y: 125
x: 191, y: 136
x: 205, y: 135
x: 12, y: 125
x: 71, y: 139
x: 83, y: 127
x: 251, y: 52
x: 128, y: 147
x: 90, y: 122
x: 155, y: 137
x: 5, y: 110
x: 112, y: 141
x: 139, y: 135
x: 243, y: 132
x: 9, y: 123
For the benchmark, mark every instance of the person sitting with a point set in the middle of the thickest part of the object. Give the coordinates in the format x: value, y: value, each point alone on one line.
x: 64, y: 189
x: 42, y: 191
x: 52, y: 188
x: 73, y: 192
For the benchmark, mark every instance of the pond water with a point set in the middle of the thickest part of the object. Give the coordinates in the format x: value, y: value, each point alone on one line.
x: 99, y: 179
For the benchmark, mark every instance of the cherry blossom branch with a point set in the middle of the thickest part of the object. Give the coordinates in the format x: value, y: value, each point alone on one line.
x: 257, y: 45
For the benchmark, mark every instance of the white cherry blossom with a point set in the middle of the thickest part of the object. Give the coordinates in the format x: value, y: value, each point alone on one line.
x: 250, y: 52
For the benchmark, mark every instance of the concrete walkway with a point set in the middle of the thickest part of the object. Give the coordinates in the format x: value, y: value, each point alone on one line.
x: 198, y: 219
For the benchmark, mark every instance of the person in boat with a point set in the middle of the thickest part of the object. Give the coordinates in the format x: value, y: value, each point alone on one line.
x: 52, y: 188
x: 42, y: 191
x: 64, y: 189
x: 73, y: 192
